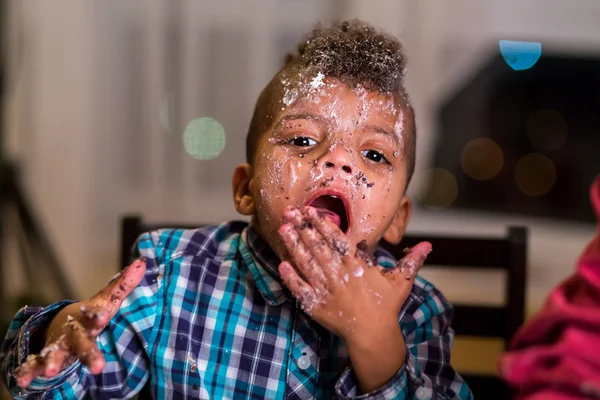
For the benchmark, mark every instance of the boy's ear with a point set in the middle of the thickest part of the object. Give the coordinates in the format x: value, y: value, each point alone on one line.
x: 243, y: 188
x: 395, y: 231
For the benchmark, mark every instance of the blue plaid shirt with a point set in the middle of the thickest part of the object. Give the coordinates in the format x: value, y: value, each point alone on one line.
x: 211, y: 320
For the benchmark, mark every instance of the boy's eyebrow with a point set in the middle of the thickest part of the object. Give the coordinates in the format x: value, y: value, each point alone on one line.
x: 293, y: 117
x: 386, y: 132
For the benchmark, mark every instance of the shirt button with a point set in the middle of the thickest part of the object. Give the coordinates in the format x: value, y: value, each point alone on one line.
x: 421, y: 393
x: 303, y: 362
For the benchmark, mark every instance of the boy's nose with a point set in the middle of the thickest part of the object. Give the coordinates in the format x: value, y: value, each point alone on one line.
x: 337, y: 159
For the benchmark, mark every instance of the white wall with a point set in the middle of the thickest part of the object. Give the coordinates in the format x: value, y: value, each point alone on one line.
x: 83, y: 116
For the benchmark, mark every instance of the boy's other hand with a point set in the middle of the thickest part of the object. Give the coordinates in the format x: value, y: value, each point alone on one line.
x: 72, y: 333
x: 342, y: 288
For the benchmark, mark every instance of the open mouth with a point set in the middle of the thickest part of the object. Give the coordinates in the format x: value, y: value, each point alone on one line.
x: 334, y: 208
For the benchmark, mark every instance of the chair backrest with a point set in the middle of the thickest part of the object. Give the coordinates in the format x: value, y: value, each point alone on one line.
x: 508, y: 254
x: 505, y: 253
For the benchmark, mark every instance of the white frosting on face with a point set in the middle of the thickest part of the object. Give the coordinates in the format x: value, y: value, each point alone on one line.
x: 341, y: 119
x: 358, y: 272
x: 317, y: 81
x: 313, y: 87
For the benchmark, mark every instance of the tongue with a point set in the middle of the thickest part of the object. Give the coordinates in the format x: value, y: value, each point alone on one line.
x: 331, y: 215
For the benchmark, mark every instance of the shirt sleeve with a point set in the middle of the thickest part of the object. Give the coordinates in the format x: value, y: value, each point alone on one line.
x: 126, y: 344
x: 426, y: 373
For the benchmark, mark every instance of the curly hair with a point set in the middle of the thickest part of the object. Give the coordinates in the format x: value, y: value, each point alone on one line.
x: 355, y: 53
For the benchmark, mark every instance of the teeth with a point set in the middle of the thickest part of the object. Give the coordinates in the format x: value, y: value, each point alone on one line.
x: 335, y: 197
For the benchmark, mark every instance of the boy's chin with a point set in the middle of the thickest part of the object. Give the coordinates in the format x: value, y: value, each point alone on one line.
x: 270, y: 235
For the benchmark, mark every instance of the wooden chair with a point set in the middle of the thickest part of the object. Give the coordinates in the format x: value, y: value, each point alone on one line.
x: 506, y: 253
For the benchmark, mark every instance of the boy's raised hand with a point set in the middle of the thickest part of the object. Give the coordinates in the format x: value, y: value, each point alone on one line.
x: 342, y: 288
x: 72, y: 333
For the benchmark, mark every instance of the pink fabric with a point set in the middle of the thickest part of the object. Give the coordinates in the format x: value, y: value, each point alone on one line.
x: 556, y: 355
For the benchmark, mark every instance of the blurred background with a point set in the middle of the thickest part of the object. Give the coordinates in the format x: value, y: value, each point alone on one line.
x: 97, y: 95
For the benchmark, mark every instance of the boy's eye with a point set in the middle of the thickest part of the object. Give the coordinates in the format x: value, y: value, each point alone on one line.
x: 374, y: 156
x: 302, y: 141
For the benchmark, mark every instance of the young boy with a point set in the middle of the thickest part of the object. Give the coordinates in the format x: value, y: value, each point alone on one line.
x: 299, y: 304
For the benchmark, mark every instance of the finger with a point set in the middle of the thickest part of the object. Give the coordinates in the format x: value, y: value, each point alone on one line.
x: 84, y: 347
x: 362, y: 252
x: 112, y: 295
x: 293, y: 215
x: 315, y: 242
x: 55, y: 358
x: 298, y: 286
x: 306, y: 295
x: 95, y: 319
x: 29, y: 370
x: 303, y: 259
x: 338, y: 242
x: 411, y: 263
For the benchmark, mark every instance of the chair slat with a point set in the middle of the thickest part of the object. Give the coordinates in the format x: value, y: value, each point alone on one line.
x: 458, y: 252
x: 479, y: 321
x: 487, y: 387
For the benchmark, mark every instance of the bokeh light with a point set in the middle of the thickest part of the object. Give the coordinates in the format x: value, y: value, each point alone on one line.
x: 204, y: 138
x: 439, y: 189
x: 547, y: 130
x: 535, y: 174
x: 520, y: 55
x: 482, y: 159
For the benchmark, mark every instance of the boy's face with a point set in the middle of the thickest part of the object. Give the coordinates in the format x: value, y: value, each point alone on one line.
x: 335, y: 148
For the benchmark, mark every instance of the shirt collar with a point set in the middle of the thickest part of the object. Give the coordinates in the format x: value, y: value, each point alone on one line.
x: 263, y: 264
